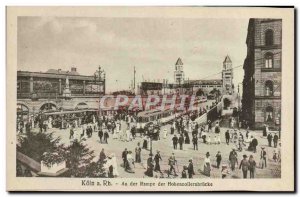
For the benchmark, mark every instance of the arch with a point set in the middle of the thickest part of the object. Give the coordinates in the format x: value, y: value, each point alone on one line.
x: 269, y: 88
x: 269, y: 60
x: 22, y: 111
x: 81, y: 105
x: 269, y: 114
x: 48, y: 106
x: 269, y: 37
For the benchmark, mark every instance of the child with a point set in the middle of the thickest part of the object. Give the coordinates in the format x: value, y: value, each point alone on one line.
x: 183, y: 173
x: 224, y: 171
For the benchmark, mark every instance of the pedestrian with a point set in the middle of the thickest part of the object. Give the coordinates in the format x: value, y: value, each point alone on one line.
x: 130, y: 163
x: 270, y: 137
x: 124, y: 157
x: 100, y: 134
x: 157, y: 158
x: 233, y: 159
x: 254, y: 144
x: 114, y: 165
x: 183, y: 173
x: 172, y: 163
x: 172, y: 129
x: 138, y: 151
x: 252, y: 166
x: 195, y: 142
x: 206, y: 166
x: 219, y: 139
x: 180, y: 141
x: 227, y: 137
x: 191, y: 169
x: 102, y: 156
x: 175, y: 141
x: 224, y: 171
x: 71, y: 133
x: 149, y: 171
x: 145, y: 142
x: 105, y: 136
x: 275, y: 140
x: 187, y: 138
x: 263, y: 158
x: 219, y: 159
x: 244, y: 165
x: 165, y: 133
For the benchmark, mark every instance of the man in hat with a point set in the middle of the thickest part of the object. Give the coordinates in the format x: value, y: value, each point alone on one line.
x: 254, y: 144
x: 102, y: 155
x: 252, y: 166
x: 100, y: 134
x: 233, y: 159
x: 157, y: 158
x: 227, y: 137
x: 175, y: 141
x: 219, y: 159
x: 180, y: 141
x: 195, y: 142
x: 172, y: 163
x: 244, y: 165
x: 263, y: 157
x: 124, y: 157
x: 275, y: 140
x: 270, y: 137
x: 191, y: 169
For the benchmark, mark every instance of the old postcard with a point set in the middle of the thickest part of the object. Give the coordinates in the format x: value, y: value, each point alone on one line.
x: 150, y: 99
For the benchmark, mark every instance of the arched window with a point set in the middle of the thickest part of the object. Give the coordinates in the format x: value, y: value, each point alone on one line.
x: 81, y: 106
x: 269, y: 114
x: 269, y: 37
x: 48, y: 107
x: 22, y: 111
x: 269, y: 88
x: 268, y: 60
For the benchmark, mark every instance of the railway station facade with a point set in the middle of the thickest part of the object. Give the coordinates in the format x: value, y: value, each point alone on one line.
x: 56, y: 90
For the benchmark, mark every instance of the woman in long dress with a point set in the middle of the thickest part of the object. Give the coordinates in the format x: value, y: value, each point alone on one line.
x: 138, y: 151
x: 206, y: 166
x: 114, y: 164
x: 145, y: 143
x: 128, y: 134
x: 130, y: 163
x: 165, y: 133
x: 50, y: 122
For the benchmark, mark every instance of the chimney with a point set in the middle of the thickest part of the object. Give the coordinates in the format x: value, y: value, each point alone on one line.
x: 73, y: 69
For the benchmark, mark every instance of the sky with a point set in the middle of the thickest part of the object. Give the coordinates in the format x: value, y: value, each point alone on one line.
x: 152, y: 45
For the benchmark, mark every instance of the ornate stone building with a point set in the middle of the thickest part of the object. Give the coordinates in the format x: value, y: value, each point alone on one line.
x: 261, y: 101
x: 179, y: 73
x: 56, y: 90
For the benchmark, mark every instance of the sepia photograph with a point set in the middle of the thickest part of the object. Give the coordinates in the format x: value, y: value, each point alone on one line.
x: 148, y: 103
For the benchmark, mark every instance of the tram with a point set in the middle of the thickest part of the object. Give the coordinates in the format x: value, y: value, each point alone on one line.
x: 157, y: 116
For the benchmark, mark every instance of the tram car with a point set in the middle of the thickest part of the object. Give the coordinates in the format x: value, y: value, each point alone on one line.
x: 157, y: 117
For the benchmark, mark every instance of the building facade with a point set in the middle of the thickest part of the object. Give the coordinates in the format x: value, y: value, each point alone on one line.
x: 223, y: 85
x: 179, y: 73
x: 261, y: 101
x: 57, y: 90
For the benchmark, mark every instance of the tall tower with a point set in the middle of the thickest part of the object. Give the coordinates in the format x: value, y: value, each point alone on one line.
x: 178, y: 73
x: 227, y: 76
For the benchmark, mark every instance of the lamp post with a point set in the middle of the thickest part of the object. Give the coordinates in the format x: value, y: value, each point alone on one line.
x: 99, y: 77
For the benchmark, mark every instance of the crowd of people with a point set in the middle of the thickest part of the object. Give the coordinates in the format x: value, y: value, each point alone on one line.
x: 184, y: 132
